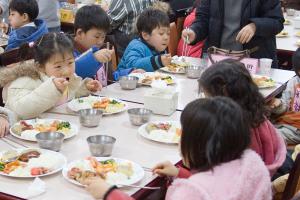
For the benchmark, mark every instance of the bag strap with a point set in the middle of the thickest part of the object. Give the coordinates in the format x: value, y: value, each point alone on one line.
x: 240, y: 54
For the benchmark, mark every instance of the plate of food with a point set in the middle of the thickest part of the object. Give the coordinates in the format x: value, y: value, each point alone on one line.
x: 108, y: 105
x: 166, y: 132
x: 148, y: 77
x: 30, y: 163
x: 178, y: 65
x: 263, y: 81
x: 27, y: 129
x: 282, y: 34
x: 115, y: 171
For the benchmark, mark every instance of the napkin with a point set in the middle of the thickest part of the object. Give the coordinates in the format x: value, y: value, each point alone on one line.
x: 36, y: 188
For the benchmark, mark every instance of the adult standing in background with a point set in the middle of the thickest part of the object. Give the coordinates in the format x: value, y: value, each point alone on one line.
x: 49, y: 12
x: 238, y: 25
x: 123, y: 15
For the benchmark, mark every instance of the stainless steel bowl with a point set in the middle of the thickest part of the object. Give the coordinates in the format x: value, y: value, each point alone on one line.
x: 128, y: 82
x: 101, y: 145
x: 50, y: 140
x: 139, y: 116
x: 90, y: 117
x: 194, y: 71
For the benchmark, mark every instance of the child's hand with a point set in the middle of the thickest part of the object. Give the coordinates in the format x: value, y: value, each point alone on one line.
x: 275, y: 103
x: 165, y: 169
x: 141, y: 71
x: 104, y: 55
x: 4, y: 127
x: 4, y: 26
x: 61, y: 84
x: 93, y: 86
x: 188, y: 34
x: 97, y: 187
x: 166, y: 59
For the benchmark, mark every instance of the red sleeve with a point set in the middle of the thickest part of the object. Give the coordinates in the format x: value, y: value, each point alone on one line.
x: 184, y: 173
x: 118, y: 195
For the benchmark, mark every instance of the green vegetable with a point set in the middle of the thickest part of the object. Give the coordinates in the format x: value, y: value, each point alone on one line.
x: 62, y: 125
x: 80, y: 101
x: 110, y: 161
x: 114, y: 102
x: 166, y: 78
x: 2, y: 166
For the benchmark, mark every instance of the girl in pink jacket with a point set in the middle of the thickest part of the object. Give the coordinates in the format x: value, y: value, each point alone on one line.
x: 214, y: 143
x: 230, y: 78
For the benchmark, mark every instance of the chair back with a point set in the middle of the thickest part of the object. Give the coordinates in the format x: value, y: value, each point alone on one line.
x: 293, y: 182
x: 172, y: 47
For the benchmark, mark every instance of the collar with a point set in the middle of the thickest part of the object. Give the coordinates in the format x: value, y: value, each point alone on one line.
x: 32, y: 24
x: 79, y: 47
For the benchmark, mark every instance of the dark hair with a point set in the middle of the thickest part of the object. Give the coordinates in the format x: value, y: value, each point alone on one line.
x: 213, y: 132
x: 46, y: 46
x: 150, y: 19
x: 91, y: 16
x: 30, y: 7
x: 296, y: 61
x: 231, y: 78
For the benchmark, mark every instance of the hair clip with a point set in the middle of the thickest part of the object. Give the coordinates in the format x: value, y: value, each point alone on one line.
x: 40, y: 41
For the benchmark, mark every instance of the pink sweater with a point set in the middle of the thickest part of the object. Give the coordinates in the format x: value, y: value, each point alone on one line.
x: 244, y: 178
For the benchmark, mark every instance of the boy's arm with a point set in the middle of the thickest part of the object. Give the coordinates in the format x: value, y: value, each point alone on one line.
x: 116, y: 13
x: 86, y: 65
x: 27, y: 103
x: 136, y: 59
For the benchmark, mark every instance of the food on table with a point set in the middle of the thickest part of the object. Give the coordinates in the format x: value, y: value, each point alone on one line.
x: 287, y: 22
x: 110, y: 170
x: 42, y: 126
x: 147, y: 80
x: 298, y: 34
x: 283, y: 33
x: 176, y: 68
x: 28, y: 163
x: 163, y: 131
x: 263, y: 81
x: 108, y: 105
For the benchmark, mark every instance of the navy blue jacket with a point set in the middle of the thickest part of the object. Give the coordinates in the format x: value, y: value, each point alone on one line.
x: 26, y: 34
x: 265, y: 14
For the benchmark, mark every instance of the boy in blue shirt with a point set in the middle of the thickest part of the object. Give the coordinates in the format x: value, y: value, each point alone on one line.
x: 25, y: 27
x: 91, y: 25
x: 148, y: 52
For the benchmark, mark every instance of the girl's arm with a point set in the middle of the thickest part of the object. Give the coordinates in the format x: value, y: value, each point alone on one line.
x: 27, y: 102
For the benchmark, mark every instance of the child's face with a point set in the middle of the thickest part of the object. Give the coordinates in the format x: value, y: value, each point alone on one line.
x: 93, y: 37
x: 159, y: 38
x: 16, y: 20
x: 60, y: 66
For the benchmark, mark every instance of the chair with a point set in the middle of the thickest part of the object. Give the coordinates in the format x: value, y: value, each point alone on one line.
x: 172, y: 47
x: 293, y: 182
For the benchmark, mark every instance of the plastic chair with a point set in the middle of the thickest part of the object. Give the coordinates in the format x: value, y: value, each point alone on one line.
x: 172, y: 47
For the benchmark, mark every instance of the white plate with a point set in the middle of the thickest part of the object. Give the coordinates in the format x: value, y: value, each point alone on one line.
x: 264, y: 86
x: 136, y: 177
x: 142, y: 76
x: 62, y: 161
x: 161, y: 135
x: 72, y: 133
x: 88, y: 103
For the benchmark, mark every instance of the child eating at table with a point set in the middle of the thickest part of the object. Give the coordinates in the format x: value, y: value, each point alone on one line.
x: 33, y: 88
x: 214, y: 145
x: 148, y: 52
x: 91, y: 25
x: 289, y: 106
x: 22, y: 18
x: 230, y: 78
x: 6, y: 119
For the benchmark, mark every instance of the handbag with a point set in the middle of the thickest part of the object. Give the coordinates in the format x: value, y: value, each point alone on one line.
x: 217, y: 54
